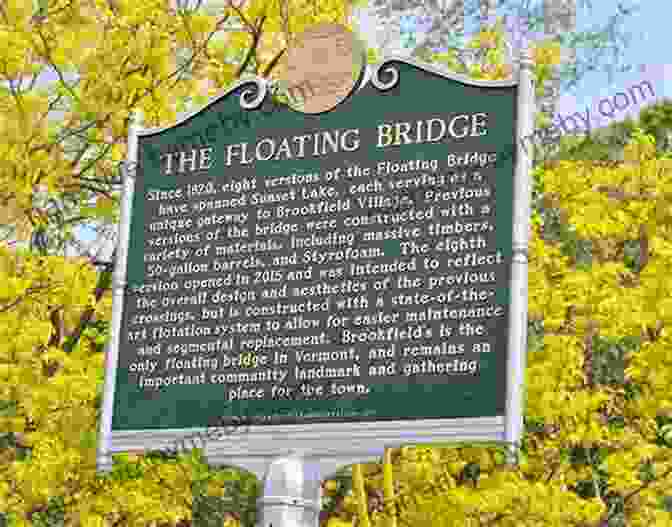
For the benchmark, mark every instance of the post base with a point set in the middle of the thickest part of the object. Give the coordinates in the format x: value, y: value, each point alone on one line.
x: 292, y: 493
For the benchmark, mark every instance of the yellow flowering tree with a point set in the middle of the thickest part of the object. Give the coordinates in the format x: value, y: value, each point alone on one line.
x: 73, y: 71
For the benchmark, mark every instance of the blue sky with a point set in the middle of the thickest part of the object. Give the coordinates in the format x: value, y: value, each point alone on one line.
x: 649, y: 53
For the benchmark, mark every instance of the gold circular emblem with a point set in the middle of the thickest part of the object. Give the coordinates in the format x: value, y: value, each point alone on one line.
x: 321, y: 68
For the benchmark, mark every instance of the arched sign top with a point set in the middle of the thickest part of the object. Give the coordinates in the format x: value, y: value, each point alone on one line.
x: 385, y: 67
x: 260, y: 87
x: 250, y: 99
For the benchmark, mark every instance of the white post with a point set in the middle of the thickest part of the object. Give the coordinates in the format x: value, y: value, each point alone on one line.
x: 104, y: 457
x: 517, y: 344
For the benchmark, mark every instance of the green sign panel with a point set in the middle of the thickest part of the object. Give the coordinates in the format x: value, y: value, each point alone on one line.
x: 353, y: 266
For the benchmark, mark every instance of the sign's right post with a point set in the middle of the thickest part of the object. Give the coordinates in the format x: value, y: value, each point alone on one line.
x: 517, y: 344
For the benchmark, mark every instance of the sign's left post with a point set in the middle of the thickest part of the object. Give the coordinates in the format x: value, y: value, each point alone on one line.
x: 104, y: 455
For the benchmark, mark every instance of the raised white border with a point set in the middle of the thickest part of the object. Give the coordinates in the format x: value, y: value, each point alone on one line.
x: 335, y: 445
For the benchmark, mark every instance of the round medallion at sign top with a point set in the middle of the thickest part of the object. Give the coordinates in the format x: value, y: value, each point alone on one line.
x: 322, y: 67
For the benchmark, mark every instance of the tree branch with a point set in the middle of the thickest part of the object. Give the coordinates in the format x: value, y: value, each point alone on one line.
x: 57, y: 324
x: 273, y: 63
x: 29, y: 292
x: 102, y: 285
x: 256, y: 37
x: 643, y: 248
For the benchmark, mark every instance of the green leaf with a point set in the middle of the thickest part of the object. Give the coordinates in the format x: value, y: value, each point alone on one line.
x: 106, y: 209
x: 41, y: 7
x: 87, y: 211
x: 88, y: 440
x: 666, y: 434
x: 647, y: 472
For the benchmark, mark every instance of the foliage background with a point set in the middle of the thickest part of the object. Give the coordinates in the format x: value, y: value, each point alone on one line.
x: 597, y: 449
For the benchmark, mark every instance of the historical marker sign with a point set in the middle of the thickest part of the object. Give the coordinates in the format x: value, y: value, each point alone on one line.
x: 343, y: 277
